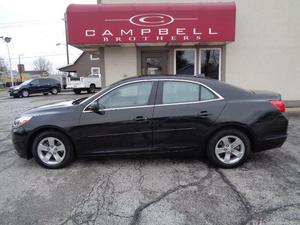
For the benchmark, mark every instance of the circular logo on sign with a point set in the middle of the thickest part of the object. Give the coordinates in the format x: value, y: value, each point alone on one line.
x: 151, y: 19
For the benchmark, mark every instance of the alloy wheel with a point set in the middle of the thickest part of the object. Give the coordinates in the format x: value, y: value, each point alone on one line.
x: 51, y: 151
x: 230, y: 149
x: 25, y: 93
x: 54, y: 91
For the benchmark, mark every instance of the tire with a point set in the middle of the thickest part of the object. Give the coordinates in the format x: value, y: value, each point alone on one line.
x: 77, y: 91
x: 45, y: 93
x: 25, y: 93
x: 54, y: 91
x: 92, y: 88
x: 221, y: 153
x: 59, y: 155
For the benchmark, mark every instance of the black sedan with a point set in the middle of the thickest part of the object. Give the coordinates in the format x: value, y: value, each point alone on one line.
x: 35, y: 86
x: 155, y: 115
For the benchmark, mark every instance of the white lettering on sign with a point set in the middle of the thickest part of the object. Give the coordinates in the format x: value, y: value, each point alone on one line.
x: 153, y: 28
x: 195, y: 32
x: 129, y: 32
x: 211, y: 32
x: 163, y: 31
x: 90, y: 33
x: 145, y: 31
x: 151, y: 20
x: 107, y: 33
x: 180, y: 31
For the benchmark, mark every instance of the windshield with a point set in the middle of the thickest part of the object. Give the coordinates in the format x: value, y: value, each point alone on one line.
x: 26, y: 82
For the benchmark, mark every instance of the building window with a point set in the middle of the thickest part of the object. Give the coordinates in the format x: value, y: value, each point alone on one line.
x: 210, y: 63
x: 95, y: 71
x: 94, y: 57
x: 185, y: 61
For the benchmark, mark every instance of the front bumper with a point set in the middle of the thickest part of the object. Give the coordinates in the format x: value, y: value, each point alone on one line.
x: 20, y: 141
x: 14, y: 93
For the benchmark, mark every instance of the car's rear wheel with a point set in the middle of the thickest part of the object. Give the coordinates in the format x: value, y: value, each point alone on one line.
x: 228, y: 148
x: 92, y: 88
x: 77, y: 91
x: 54, y: 91
x: 52, y: 149
x: 25, y: 93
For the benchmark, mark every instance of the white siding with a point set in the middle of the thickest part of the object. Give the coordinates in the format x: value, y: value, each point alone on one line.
x: 120, y: 62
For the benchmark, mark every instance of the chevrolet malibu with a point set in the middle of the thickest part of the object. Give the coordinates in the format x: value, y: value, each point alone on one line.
x: 155, y: 115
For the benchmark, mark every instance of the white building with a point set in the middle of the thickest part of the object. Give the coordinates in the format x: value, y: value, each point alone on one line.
x: 250, y: 43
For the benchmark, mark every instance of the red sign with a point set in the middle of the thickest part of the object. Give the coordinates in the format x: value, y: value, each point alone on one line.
x: 21, y: 68
x: 150, y: 23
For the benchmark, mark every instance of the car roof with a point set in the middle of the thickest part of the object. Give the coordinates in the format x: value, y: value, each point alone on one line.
x: 227, y: 91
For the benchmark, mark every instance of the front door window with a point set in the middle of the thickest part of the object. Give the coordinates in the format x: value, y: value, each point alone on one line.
x: 185, y: 61
x: 154, y: 63
x: 130, y: 95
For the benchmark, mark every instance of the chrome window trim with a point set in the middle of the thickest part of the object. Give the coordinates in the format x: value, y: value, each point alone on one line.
x: 159, y: 105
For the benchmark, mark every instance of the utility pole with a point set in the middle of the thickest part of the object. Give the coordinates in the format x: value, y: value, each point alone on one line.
x: 7, y: 40
x: 66, y: 34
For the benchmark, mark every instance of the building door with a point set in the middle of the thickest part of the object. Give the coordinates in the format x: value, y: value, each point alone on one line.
x: 154, y: 63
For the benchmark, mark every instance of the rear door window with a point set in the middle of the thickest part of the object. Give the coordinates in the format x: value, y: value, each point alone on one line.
x: 178, y: 92
x: 44, y: 82
x: 35, y: 82
x: 181, y: 92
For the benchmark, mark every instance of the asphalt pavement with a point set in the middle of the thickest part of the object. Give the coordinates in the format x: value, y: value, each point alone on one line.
x: 265, y: 190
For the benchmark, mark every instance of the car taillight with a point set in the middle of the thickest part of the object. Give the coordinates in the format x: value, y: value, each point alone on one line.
x: 279, y: 105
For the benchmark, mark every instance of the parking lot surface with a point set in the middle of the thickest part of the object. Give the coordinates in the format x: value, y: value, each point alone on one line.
x: 265, y: 190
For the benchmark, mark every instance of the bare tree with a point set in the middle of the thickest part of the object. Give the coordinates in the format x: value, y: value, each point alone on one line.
x: 3, y: 66
x: 42, y: 64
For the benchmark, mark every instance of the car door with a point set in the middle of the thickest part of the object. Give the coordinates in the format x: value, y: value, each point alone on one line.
x: 34, y: 86
x: 124, y: 124
x: 44, y: 85
x: 183, y: 113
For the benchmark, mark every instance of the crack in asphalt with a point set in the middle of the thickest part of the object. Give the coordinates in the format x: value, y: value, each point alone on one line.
x: 241, y: 198
x: 5, y: 151
x: 138, y: 212
x: 102, y: 185
x: 261, y: 214
x: 246, y: 204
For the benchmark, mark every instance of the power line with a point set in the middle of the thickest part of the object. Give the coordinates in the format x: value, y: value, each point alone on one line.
x: 36, y: 56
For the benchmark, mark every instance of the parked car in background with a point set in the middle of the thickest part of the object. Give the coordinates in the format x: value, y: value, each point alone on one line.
x: 155, y: 115
x: 34, y: 86
x: 89, y: 83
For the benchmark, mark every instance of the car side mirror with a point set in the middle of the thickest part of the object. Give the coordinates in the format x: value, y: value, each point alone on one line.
x: 97, y: 108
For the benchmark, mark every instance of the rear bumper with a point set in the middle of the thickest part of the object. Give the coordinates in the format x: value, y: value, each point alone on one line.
x: 272, y: 133
x: 270, y: 143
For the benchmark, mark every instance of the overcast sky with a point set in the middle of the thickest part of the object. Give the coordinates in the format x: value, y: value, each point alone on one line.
x: 35, y: 27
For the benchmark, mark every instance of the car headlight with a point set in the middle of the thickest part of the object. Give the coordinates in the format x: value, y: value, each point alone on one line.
x: 21, y: 120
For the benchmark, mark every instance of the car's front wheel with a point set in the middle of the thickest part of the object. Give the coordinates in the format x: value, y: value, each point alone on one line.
x: 25, y: 93
x: 228, y: 148
x: 52, y: 149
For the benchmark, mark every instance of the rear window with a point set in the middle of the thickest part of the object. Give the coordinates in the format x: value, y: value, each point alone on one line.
x: 180, y: 92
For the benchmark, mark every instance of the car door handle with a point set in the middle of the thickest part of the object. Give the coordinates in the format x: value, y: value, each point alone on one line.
x: 203, y: 114
x: 140, y: 118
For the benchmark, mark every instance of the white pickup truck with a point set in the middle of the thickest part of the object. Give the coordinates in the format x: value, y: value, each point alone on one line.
x: 89, y: 83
